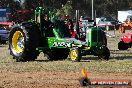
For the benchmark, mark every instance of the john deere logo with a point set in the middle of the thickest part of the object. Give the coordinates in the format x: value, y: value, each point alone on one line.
x: 61, y: 44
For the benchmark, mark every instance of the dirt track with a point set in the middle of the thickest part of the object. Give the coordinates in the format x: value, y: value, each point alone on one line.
x: 18, y: 77
x: 53, y: 79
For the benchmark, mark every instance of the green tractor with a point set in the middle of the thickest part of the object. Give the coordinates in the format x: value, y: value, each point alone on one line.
x: 28, y: 39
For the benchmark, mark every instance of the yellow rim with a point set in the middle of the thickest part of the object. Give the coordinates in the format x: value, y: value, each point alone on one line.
x: 73, y: 55
x: 18, y: 42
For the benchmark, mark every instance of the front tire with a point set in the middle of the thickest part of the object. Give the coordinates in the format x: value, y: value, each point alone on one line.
x: 23, y: 40
x: 105, y: 55
x: 75, y: 54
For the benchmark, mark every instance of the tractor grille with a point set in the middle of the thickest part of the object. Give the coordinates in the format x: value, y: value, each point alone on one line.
x: 97, y: 36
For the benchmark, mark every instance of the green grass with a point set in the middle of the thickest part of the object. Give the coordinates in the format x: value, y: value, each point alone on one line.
x: 112, y: 65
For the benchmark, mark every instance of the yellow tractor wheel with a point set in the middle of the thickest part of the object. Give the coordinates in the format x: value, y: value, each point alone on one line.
x: 75, y: 55
x: 23, y: 43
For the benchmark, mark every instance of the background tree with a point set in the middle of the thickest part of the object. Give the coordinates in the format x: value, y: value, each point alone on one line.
x: 66, y: 9
x: 102, y: 7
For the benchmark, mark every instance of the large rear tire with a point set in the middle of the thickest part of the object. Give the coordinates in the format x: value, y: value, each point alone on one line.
x: 23, y: 40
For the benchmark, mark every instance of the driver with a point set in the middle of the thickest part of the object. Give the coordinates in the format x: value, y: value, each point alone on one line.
x: 47, y: 26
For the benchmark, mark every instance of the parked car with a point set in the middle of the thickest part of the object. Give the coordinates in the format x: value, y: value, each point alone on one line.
x: 125, y: 41
x: 3, y: 35
x: 0, y: 39
x: 108, y: 23
x: 4, y: 31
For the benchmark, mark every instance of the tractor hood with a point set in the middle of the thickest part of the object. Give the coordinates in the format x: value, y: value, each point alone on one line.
x: 65, y: 42
x: 75, y: 41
